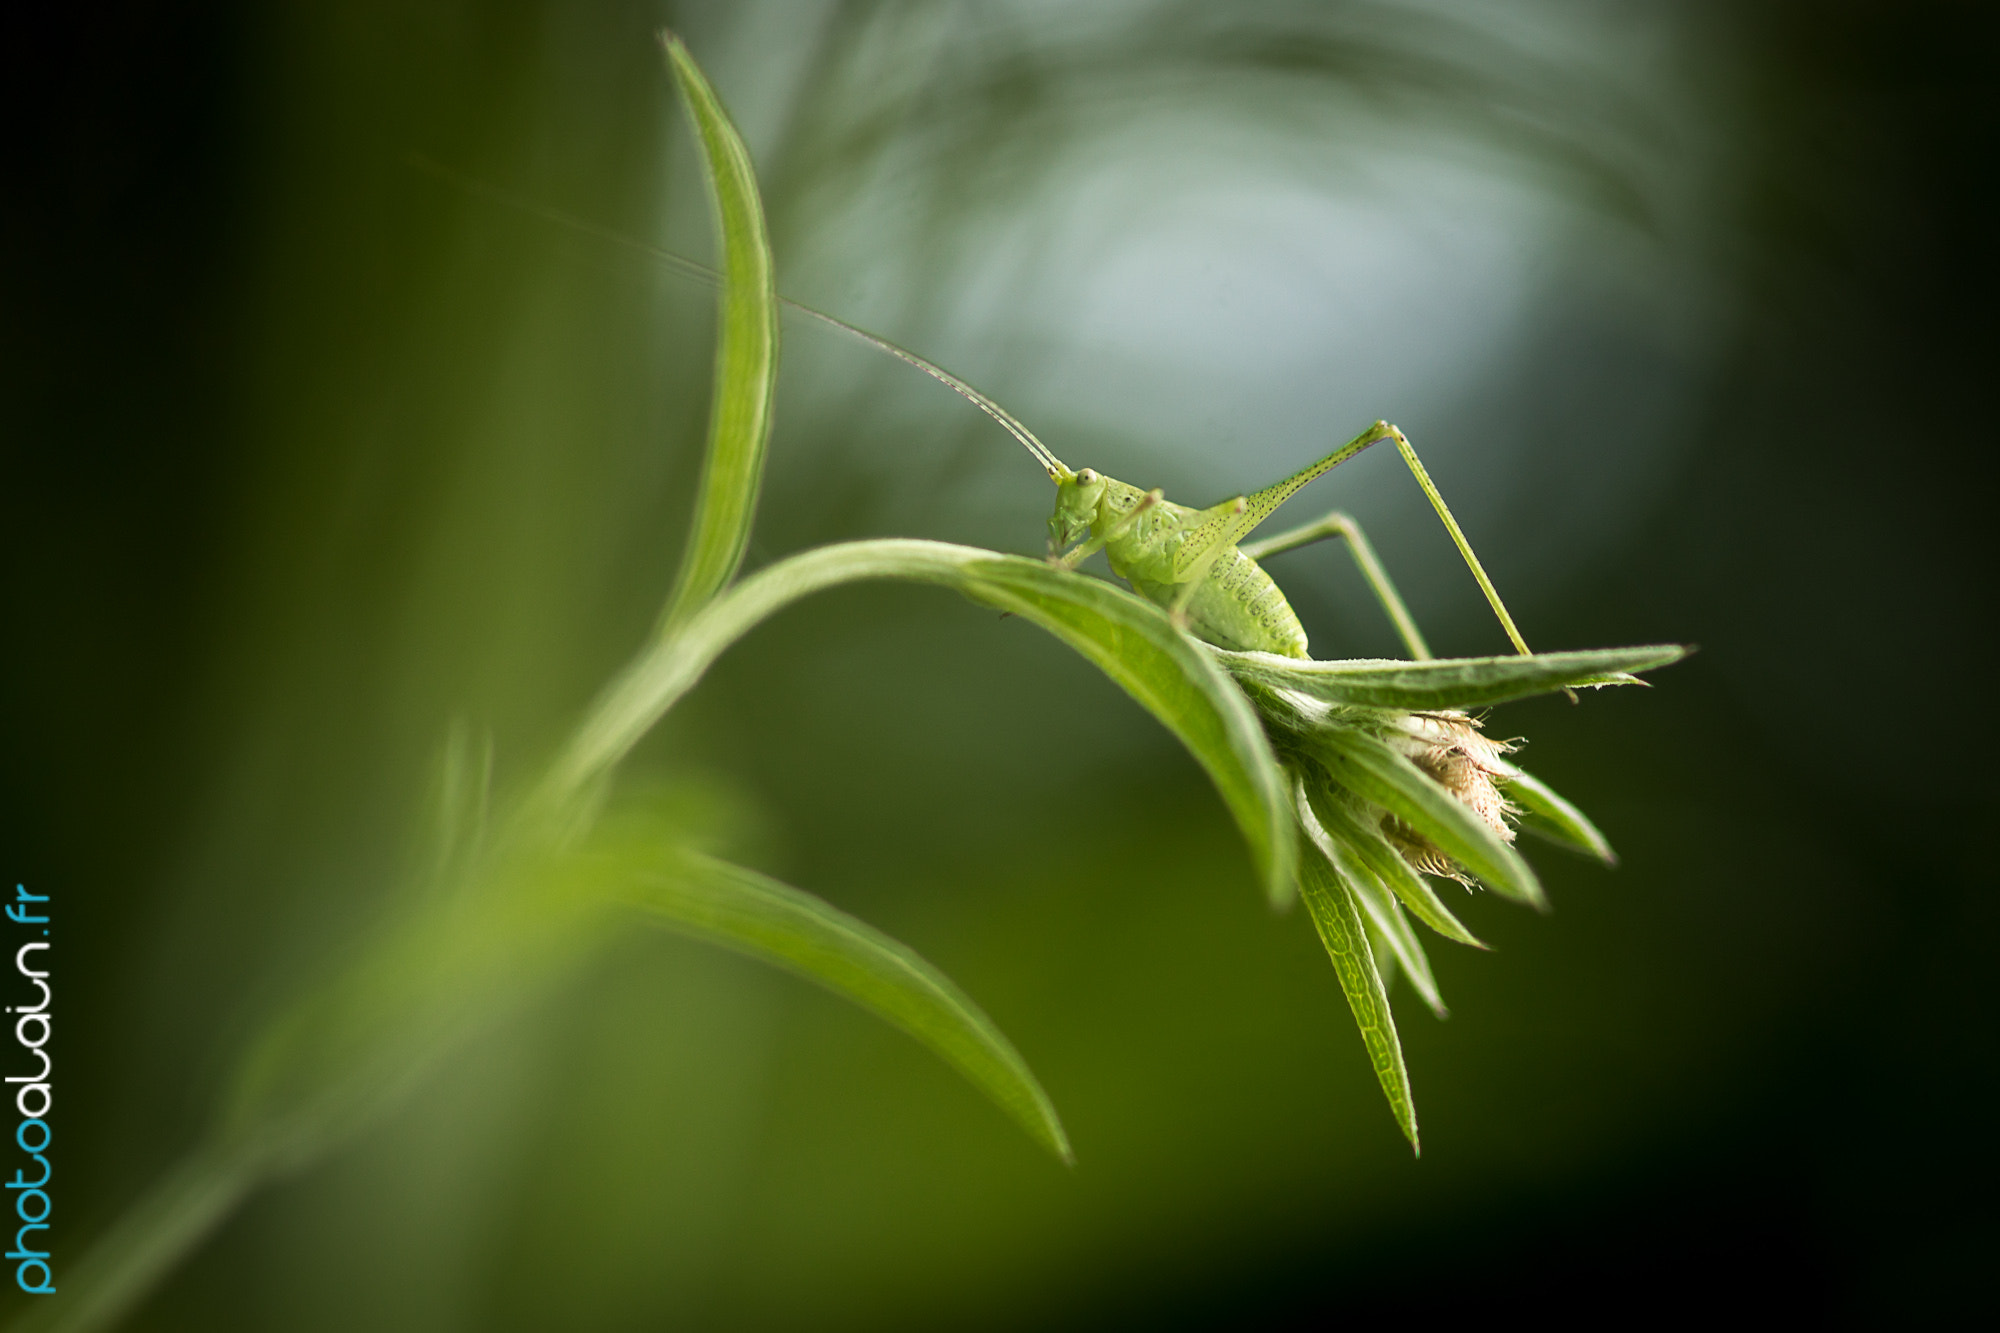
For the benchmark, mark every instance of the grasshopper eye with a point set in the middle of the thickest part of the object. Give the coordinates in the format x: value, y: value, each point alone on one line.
x: 1087, y: 477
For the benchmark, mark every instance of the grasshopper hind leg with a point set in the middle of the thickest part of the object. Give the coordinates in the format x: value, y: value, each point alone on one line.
x: 1340, y: 525
x: 1430, y: 490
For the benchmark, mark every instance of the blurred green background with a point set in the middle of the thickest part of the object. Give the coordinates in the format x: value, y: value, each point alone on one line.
x: 306, y: 452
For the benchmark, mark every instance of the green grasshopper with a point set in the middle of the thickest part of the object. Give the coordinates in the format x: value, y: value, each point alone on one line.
x: 1188, y: 561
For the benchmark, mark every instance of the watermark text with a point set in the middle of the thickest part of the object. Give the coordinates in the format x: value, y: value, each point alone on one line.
x: 33, y: 1097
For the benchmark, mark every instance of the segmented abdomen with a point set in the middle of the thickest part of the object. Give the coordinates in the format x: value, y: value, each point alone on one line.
x: 1238, y: 606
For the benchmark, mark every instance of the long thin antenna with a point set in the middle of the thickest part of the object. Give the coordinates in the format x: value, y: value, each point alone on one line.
x: 690, y: 268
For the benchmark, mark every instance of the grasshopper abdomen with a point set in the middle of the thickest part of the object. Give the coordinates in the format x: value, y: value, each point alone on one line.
x: 1239, y: 606
x: 1234, y: 603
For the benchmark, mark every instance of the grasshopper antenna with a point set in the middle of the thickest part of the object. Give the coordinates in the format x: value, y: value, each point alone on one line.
x: 689, y: 268
x: 1007, y: 421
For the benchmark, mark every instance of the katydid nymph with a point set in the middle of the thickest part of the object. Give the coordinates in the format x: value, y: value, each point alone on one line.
x: 1191, y: 562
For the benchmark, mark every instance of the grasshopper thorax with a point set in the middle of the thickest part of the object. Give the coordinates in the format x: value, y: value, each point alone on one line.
x: 1078, y: 495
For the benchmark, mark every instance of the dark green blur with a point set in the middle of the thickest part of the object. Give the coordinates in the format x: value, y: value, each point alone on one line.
x: 308, y: 453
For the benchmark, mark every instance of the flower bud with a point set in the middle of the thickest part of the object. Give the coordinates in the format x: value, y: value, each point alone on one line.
x: 1453, y: 752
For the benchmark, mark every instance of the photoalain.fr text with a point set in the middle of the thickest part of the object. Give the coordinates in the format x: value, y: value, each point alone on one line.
x: 30, y: 1185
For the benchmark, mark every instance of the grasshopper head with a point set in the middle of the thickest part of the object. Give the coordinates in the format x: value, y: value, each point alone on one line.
x: 1077, y: 497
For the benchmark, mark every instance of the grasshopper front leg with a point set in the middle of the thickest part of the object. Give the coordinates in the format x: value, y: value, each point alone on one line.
x: 1082, y: 551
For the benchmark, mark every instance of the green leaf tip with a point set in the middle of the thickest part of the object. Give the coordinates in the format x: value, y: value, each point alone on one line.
x: 1452, y: 682
x: 746, y: 349
x: 1548, y: 816
x: 753, y: 914
x: 1337, y: 917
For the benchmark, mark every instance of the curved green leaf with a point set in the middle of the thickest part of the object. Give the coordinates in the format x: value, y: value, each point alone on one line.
x: 756, y: 915
x: 746, y: 351
x: 1547, y: 815
x: 1370, y: 769
x: 1453, y: 682
x: 1136, y: 645
x: 1367, y: 844
x: 1331, y: 905
x: 1129, y: 639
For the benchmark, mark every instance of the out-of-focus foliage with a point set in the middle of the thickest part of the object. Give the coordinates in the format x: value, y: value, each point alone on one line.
x: 746, y: 354
x: 307, y: 455
x: 494, y: 914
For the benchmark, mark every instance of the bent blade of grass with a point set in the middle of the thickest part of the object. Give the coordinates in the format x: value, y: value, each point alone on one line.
x: 1134, y: 643
x: 746, y: 351
x: 753, y: 914
x: 1129, y: 639
x: 1337, y: 919
x: 1460, y: 682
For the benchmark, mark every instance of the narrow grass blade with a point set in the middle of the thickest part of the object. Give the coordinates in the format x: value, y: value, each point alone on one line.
x: 1379, y: 856
x: 1456, y: 682
x: 1373, y: 771
x: 1549, y: 816
x: 746, y: 351
x: 756, y: 915
x: 1387, y: 927
x: 1338, y: 921
x: 1129, y: 639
